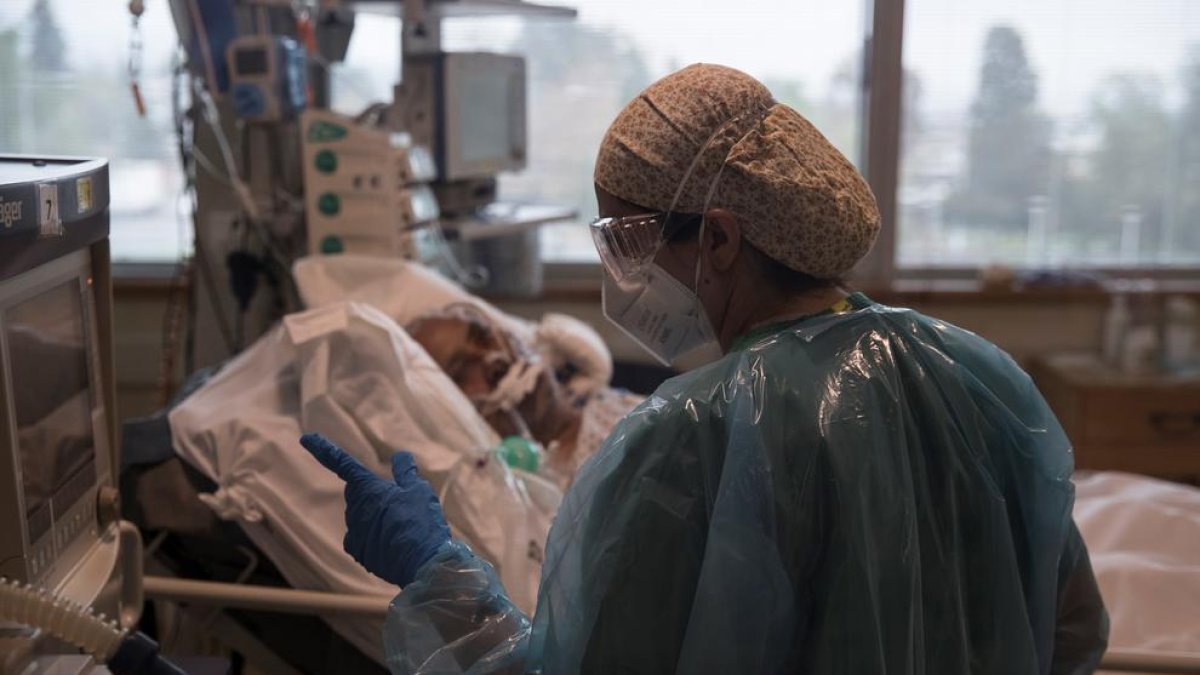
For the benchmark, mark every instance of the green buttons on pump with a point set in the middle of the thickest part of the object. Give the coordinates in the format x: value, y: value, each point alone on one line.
x: 326, y: 161
x: 329, y: 204
x: 332, y: 244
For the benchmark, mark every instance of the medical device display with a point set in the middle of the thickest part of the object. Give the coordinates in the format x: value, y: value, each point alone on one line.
x: 54, y: 425
x: 470, y: 108
x: 52, y: 398
x: 267, y: 76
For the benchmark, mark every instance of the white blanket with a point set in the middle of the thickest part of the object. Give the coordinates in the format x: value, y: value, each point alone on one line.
x: 402, y: 290
x: 406, y: 291
x: 1144, y: 539
x: 349, y: 372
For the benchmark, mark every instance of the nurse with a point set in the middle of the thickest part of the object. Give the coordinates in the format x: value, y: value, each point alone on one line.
x: 835, y: 486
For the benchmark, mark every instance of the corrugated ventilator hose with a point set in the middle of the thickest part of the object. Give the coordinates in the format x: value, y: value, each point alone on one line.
x: 124, y: 652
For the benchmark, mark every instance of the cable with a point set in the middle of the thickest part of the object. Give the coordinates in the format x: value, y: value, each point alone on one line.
x: 371, y: 115
x: 186, y: 138
x: 257, y: 224
x: 207, y: 277
x: 206, y: 274
x: 202, y: 38
x: 477, y: 277
x: 187, y: 162
x: 172, y: 317
x: 242, y: 190
x: 212, y: 117
x: 209, y: 168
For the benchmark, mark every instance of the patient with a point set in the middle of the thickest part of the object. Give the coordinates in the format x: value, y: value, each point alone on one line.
x: 347, y: 367
x: 517, y: 392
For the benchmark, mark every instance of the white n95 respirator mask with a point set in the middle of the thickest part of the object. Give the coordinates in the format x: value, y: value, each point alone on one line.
x: 663, y: 316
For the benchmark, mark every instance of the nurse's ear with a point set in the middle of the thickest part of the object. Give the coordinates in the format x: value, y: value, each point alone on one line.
x: 722, y: 239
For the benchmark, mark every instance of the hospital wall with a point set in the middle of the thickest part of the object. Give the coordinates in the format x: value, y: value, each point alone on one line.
x: 1024, y: 324
x: 139, y: 313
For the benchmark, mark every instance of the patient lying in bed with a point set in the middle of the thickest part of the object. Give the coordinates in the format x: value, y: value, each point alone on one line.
x: 480, y: 357
x: 350, y: 371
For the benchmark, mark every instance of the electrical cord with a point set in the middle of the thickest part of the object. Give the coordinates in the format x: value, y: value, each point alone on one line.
x: 207, y: 277
x: 205, y: 163
x: 204, y: 267
x: 173, y: 317
x: 242, y: 190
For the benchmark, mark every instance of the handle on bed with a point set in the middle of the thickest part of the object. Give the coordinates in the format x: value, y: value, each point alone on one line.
x: 1146, y: 661
x: 130, y: 554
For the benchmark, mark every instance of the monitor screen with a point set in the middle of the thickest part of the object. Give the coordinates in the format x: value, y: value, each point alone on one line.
x: 485, y: 124
x: 251, y: 61
x: 52, y: 401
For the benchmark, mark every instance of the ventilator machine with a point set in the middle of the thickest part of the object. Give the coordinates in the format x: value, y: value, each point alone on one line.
x: 70, y: 593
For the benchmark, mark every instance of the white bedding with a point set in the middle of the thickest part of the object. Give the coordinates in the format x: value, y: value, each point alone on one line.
x: 1144, y: 539
x: 351, y: 373
x: 402, y: 290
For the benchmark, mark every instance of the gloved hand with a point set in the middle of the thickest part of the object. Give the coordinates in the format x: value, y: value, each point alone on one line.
x: 392, y: 529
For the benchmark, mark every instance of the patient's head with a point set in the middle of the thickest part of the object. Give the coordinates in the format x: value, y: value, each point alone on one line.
x: 477, y: 354
x: 461, y: 341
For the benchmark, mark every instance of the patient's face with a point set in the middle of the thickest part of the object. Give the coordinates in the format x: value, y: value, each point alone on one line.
x: 477, y: 357
x: 469, y: 351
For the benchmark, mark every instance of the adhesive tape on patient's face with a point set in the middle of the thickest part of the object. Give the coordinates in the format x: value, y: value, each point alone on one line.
x: 518, y: 383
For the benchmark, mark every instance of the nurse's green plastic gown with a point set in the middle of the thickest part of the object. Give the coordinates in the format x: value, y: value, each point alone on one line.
x: 869, y: 492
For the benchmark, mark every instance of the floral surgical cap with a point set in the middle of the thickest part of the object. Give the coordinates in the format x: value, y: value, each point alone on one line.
x: 800, y: 201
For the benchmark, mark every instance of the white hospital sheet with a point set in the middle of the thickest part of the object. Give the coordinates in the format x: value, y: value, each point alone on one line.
x: 351, y: 373
x: 1144, y: 539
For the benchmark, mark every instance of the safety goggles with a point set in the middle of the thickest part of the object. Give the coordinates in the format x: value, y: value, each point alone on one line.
x: 628, y: 244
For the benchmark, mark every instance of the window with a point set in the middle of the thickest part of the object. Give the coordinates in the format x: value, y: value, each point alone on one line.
x: 64, y: 89
x: 1034, y: 133
x: 583, y: 72
x: 372, y: 65
x: 1050, y: 133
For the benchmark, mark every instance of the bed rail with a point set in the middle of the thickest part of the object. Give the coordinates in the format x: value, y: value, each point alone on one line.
x: 1141, y: 661
x: 264, y: 598
x: 291, y: 601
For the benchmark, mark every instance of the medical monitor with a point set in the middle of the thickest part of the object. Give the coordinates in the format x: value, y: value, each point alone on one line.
x: 473, y: 108
x: 56, y: 425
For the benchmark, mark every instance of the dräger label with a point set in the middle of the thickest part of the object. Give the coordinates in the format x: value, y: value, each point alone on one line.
x: 10, y: 213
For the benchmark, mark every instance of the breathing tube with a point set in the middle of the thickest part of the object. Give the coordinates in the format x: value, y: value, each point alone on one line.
x: 122, y: 651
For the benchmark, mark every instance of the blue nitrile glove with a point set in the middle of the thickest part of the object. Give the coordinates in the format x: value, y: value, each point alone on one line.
x: 392, y: 529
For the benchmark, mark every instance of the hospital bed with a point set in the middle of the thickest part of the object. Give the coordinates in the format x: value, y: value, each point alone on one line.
x: 1142, y: 533
x: 349, y: 371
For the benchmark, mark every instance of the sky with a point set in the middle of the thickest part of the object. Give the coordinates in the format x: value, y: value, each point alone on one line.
x: 1072, y: 44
